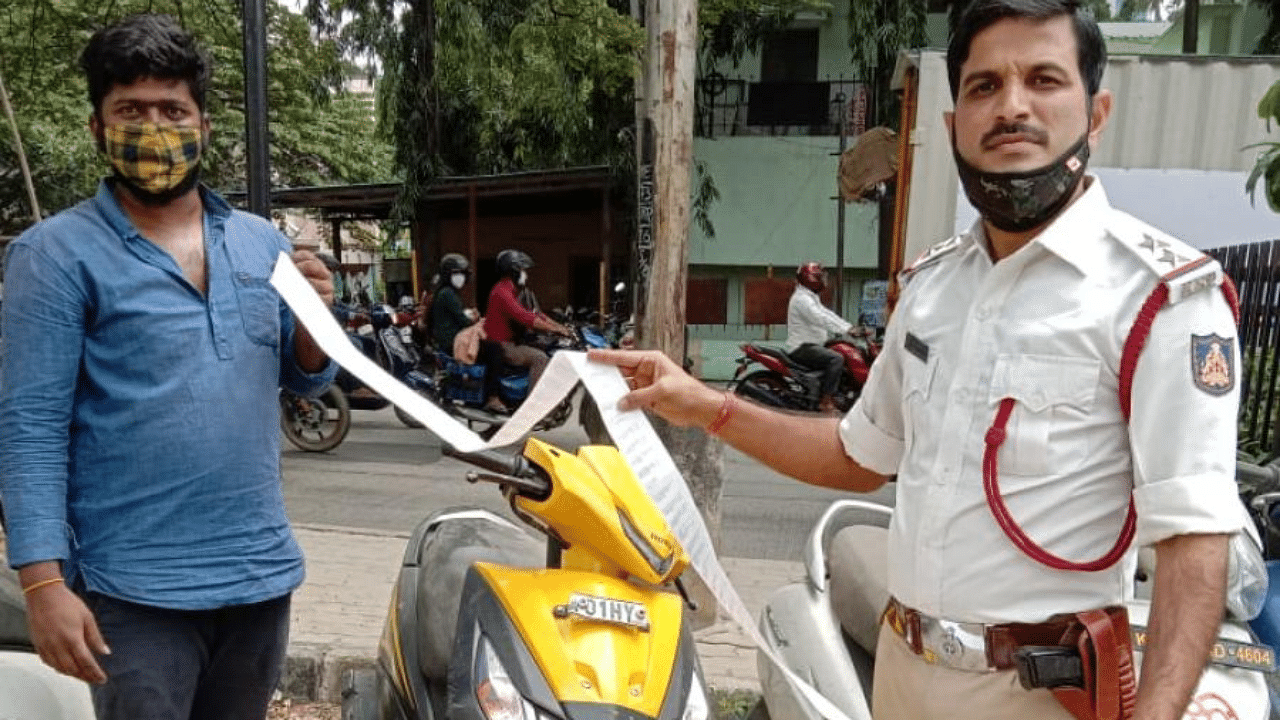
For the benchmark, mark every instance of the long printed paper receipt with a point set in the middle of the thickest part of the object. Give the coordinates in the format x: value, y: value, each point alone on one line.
x: 631, y: 431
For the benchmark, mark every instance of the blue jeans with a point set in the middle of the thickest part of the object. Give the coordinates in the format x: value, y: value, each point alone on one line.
x: 220, y: 664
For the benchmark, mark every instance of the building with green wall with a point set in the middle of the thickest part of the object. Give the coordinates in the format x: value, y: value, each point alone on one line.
x: 768, y: 134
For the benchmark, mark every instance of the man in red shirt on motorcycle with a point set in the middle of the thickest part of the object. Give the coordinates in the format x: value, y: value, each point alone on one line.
x: 505, y: 316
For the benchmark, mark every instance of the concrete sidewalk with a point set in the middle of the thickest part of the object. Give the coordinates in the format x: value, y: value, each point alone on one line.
x: 339, y: 611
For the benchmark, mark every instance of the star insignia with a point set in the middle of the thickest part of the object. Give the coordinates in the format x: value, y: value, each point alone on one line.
x: 1162, y: 251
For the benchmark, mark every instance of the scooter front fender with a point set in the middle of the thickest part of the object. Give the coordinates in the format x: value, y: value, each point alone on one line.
x: 798, y: 625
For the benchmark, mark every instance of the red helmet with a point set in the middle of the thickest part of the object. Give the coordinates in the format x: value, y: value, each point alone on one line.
x: 812, y: 276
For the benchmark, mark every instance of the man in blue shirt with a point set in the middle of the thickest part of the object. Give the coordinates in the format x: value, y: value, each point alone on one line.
x: 139, y: 446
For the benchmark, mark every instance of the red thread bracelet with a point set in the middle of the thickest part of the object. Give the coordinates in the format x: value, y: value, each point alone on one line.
x: 726, y: 409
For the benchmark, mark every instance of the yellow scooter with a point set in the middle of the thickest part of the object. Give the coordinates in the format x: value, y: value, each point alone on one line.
x: 488, y: 623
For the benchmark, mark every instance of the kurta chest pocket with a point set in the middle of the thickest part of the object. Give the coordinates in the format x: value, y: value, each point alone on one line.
x: 1053, y: 396
x: 259, y: 309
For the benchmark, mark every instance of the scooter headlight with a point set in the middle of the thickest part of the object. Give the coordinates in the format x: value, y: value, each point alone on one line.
x: 497, y: 695
x: 695, y: 706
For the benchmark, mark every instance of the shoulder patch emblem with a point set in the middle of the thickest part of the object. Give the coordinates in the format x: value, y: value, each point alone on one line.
x: 1213, y: 365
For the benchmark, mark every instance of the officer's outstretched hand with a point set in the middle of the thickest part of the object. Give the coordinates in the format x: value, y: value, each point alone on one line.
x: 660, y: 385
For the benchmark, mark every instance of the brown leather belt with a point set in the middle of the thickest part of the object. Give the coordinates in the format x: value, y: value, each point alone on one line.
x: 977, y: 647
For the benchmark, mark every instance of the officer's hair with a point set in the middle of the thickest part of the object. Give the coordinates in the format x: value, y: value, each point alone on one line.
x: 149, y: 45
x: 1091, y: 50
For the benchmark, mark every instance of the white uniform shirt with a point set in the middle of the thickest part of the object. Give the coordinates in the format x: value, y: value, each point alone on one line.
x: 1046, y: 326
x: 809, y: 321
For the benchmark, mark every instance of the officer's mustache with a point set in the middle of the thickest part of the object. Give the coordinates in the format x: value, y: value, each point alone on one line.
x: 1032, y: 133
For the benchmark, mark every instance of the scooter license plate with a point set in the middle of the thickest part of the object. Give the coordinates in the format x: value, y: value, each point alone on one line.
x: 609, y: 610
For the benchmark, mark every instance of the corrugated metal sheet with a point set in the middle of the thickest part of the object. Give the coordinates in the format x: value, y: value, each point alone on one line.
x: 1189, y: 113
x: 1177, y: 112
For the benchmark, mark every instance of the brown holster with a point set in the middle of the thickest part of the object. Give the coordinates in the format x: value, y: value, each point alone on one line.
x: 1106, y: 655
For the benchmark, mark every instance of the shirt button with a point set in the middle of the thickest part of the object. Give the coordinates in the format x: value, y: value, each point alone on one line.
x: 984, y: 312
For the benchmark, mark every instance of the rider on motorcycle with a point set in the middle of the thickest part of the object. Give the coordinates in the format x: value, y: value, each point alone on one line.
x: 448, y: 316
x: 505, y: 315
x: 809, y: 323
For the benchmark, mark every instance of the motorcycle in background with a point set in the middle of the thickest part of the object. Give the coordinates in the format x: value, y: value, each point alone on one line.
x: 321, y: 423
x: 459, y: 389
x: 783, y: 383
x: 488, y: 623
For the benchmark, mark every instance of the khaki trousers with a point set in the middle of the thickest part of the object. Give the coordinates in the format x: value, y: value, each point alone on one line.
x: 908, y: 688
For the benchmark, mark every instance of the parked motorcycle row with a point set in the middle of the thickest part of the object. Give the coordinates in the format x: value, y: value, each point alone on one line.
x: 320, y: 424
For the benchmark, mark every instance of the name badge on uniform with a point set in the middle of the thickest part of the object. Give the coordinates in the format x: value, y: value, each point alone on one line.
x: 917, y: 347
x: 1213, y: 364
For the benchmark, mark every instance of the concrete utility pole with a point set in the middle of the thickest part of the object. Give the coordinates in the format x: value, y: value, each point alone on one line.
x: 665, y: 102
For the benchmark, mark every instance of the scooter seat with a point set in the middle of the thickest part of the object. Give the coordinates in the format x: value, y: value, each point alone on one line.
x: 783, y: 357
x: 858, y: 563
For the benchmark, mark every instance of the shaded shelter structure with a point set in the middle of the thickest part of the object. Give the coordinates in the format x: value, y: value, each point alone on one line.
x: 567, y: 220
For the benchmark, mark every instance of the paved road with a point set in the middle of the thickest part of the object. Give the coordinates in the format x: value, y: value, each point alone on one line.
x: 764, y: 515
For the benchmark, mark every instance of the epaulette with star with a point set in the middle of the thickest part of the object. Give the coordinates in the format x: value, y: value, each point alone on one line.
x: 929, y: 257
x: 1183, y: 269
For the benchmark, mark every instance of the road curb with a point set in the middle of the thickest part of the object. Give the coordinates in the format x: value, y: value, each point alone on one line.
x: 316, y: 673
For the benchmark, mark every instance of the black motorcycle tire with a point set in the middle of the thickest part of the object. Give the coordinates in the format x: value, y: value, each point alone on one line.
x: 312, y: 434
x: 768, y: 381
x: 847, y: 394
x: 406, y: 418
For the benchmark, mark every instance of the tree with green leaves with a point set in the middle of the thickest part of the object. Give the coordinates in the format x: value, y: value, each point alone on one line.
x: 1267, y: 167
x: 491, y: 86
x: 320, y: 133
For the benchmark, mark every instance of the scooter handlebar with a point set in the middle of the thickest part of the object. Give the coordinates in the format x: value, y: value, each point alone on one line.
x: 503, y: 463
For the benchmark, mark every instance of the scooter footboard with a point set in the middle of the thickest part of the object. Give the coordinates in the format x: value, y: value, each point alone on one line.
x: 797, y: 624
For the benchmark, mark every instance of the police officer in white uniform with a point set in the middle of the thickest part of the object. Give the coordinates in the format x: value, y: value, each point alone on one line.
x: 1015, y: 332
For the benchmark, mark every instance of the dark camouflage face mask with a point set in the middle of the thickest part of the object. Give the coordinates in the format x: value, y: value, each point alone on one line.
x: 1020, y: 201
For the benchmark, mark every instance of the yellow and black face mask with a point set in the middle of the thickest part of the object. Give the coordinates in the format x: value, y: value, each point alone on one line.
x: 156, y: 158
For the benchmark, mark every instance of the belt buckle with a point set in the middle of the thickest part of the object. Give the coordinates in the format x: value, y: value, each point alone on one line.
x: 954, y: 644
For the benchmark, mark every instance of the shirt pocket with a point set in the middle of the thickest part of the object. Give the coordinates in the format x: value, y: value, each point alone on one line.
x: 1047, y: 431
x: 259, y: 309
x: 917, y: 386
